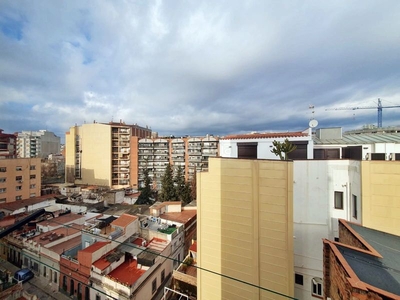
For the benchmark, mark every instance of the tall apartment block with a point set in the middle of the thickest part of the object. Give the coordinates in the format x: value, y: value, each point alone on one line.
x: 19, y: 179
x: 37, y: 143
x: 190, y: 153
x: 100, y: 154
x: 8, y: 145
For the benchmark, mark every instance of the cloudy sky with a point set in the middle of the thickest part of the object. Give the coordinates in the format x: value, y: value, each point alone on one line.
x: 198, y: 67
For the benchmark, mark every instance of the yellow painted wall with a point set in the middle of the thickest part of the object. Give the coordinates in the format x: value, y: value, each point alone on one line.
x: 96, y: 154
x: 381, y: 195
x: 70, y: 154
x: 245, y: 229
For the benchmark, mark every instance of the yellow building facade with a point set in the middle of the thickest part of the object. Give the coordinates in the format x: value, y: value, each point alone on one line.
x: 381, y: 195
x: 245, y: 229
x: 103, y: 154
x: 20, y: 179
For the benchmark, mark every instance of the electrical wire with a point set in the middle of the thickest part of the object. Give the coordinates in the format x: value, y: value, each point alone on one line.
x: 179, y: 261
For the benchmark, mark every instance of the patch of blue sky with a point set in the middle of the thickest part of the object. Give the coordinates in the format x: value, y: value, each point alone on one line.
x: 12, y: 28
x: 87, y: 58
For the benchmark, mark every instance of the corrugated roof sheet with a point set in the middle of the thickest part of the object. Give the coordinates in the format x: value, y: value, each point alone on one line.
x: 360, y: 139
x: 270, y: 135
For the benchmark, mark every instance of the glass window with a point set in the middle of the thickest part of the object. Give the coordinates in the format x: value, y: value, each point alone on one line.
x: 18, y: 187
x: 33, y: 176
x: 316, y: 287
x: 154, y: 286
x: 162, y: 275
x: 298, y: 279
x: 3, y: 169
x: 355, y: 215
x: 3, y: 190
x: 3, y: 179
x: 18, y: 198
x: 18, y: 168
x: 32, y: 168
x: 339, y: 200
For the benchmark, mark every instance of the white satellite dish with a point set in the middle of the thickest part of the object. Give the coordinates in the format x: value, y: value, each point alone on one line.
x: 313, y: 123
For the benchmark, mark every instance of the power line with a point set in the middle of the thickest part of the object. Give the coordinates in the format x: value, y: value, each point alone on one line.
x: 179, y: 261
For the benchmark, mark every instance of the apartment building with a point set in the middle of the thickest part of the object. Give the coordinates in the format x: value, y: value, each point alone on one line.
x: 245, y: 229
x: 19, y: 179
x: 189, y: 153
x: 8, y: 145
x: 37, y: 144
x: 101, y: 154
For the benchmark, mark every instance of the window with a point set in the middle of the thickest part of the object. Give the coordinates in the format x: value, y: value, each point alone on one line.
x: 44, y: 271
x: 55, y: 277
x: 98, y: 297
x: 3, y: 190
x: 31, y: 195
x: 339, y: 200
x: 18, y: 168
x: 3, y: 200
x: 355, y: 207
x: 18, y: 198
x: 32, y: 176
x: 298, y: 279
x: 154, y: 286
x: 162, y: 275
x: 3, y: 169
x: 247, y: 150
x: 32, y: 186
x: 32, y: 168
x: 18, y: 188
x: 3, y: 179
x: 18, y: 178
x: 316, y: 287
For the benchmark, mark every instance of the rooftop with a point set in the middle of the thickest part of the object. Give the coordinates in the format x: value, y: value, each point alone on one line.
x: 64, y: 219
x: 182, y: 217
x: 377, y: 267
x: 269, y: 135
x: 94, y: 247
x: 127, y: 273
x: 360, y: 139
x: 12, y: 206
x: 67, y: 245
x: 124, y: 220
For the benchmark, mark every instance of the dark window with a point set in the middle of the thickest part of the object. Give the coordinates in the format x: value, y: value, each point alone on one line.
x: 32, y: 168
x: 154, y: 286
x: 32, y: 176
x: 18, y: 197
x: 98, y: 297
x: 355, y: 207
x: 352, y: 152
x: 326, y: 153
x: 397, y: 156
x: 316, y: 287
x: 298, y: 279
x: 378, y: 156
x: 339, y: 200
x: 300, y: 152
x: 247, y: 150
x: 162, y: 275
x: 3, y: 179
x: 18, y: 168
x: 3, y: 169
x: 336, y: 239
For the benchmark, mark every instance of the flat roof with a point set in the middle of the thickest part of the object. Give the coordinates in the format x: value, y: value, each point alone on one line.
x: 268, y: 135
x: 12, y: 206
x: 127, y: 273
x: 68, y: 218
x: 360, y: 139
x: 67, y: 245
x: 180, y: 217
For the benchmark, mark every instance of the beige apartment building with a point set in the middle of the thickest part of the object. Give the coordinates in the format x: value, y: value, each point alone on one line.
x: 101, y: 154
x: 245, y: 230
x: 19, y: 179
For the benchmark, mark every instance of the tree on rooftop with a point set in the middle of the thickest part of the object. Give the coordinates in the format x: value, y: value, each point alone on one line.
x: 282, y: 149
x: 168, y: 192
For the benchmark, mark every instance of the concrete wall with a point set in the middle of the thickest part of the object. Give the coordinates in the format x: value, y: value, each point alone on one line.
x: 314, y: 213
x: 245, y: 229
x: 381, y: 195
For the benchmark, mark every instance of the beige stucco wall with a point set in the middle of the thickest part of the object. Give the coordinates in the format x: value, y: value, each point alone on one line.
x: 245, y: 229
x: 381, y: 195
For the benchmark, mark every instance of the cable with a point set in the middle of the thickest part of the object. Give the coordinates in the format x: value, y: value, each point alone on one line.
x: 179, y: 261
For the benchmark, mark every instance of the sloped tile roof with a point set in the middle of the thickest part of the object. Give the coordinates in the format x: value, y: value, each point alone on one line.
x: 124, y: 220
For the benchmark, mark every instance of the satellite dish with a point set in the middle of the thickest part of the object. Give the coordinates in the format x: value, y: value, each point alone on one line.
x: 313, y: 123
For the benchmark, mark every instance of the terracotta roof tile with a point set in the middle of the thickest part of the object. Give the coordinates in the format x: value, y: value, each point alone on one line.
x: 270, y: 135
x: 94, y: 247
x: 124, y: 220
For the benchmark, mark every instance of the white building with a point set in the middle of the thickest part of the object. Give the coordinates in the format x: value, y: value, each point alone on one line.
x: 37, y: 144
x: 323, y: 192
x: 259, y: 145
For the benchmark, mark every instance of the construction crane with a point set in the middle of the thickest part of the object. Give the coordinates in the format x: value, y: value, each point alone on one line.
x: 379, y: 108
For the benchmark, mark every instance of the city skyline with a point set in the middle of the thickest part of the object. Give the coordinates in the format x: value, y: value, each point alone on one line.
x: 194, y: 68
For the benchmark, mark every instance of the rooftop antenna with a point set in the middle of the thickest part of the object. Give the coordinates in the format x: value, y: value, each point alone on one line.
x: 313, y: 123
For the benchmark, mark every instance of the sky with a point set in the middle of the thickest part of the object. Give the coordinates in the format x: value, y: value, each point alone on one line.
x: 198, y: 67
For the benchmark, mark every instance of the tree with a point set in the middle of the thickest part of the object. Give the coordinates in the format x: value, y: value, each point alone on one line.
x: 282, y: 149
x: 193, y: 186
x: 186, y: 196
x: 168, y: 192
x: 146, y: 192
x: 179, y: 182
